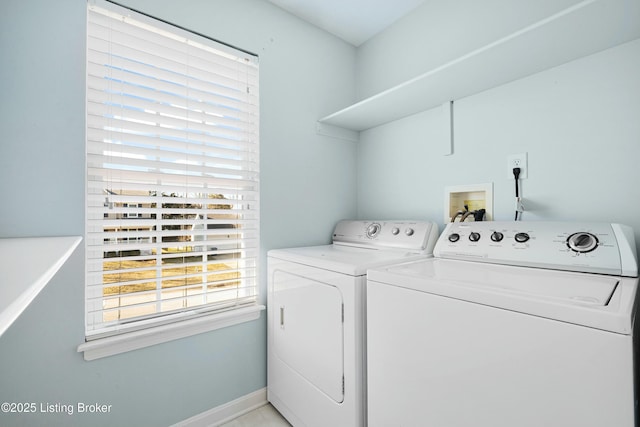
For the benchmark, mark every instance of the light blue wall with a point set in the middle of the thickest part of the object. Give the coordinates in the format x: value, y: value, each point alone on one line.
x: 440, y: 31
x: 308, y: 182
x: 41, y: 118
x: 578, y: 123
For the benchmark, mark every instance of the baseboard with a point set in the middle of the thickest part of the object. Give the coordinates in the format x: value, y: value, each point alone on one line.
x: 227, y: 412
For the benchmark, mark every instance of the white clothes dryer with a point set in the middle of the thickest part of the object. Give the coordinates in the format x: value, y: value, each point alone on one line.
x: 316, y: 318
x: 524, y: 324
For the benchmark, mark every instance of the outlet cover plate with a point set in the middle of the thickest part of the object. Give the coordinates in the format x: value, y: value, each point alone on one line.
x: 517, y: 161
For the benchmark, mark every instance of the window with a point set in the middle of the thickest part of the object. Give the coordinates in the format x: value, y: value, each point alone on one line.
x: 172, y: 174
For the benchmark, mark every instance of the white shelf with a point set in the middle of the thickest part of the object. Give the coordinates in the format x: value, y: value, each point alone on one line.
x: 583, y: 29
x: 27, y: 266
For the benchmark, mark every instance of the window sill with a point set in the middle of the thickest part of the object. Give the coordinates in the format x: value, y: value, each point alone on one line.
x: 122, y: 343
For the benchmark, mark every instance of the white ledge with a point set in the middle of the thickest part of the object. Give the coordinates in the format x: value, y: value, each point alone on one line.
x: 128, y: 341
x: 583, y: 29
x: 27, y: 266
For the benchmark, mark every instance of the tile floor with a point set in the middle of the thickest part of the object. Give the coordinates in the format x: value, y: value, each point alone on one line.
x: 264, y: 416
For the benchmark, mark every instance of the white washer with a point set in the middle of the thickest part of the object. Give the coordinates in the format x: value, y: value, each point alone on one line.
x: 316, y: 318
x: 524, y: 324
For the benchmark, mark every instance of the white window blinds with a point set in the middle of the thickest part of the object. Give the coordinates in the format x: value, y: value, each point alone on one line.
x: 172, y: 173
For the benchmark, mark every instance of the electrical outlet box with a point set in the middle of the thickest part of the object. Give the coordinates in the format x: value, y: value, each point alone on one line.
x: 517, y: 161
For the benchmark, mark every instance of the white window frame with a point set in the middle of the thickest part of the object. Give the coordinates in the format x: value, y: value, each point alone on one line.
x: 237, y: 173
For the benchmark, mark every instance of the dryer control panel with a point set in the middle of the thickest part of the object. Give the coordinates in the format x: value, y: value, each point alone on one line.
x: 585, y: 247
x: 419, y: 236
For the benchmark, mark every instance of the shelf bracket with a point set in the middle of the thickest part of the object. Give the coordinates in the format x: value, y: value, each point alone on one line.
x: 447, y: 125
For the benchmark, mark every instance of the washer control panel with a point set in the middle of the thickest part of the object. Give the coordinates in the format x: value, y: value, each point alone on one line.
x: 585, y: 247
x: 418, y: 236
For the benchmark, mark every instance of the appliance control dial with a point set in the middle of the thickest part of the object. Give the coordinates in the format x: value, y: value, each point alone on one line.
x: 454, y: 237
x: 395, y: 231
x: 497, y: 236
x: 521, y: 237
x: 474, y: 236
x: 409, y: 231
x: 582, y: 242
x: 373, y: 230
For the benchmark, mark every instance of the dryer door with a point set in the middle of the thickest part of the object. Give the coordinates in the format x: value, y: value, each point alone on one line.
x: 308, y: 330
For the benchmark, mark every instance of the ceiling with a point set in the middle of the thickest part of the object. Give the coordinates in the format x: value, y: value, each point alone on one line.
x: 354, y: 21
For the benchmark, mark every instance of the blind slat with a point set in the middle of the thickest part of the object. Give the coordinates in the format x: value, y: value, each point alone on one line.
x: 125, y: 121
x: 127, y: 84
x: 211, y: 199
x: 166, y: 43
x: 226, y: 137
x: 116, y: 58
x: 188, y: 166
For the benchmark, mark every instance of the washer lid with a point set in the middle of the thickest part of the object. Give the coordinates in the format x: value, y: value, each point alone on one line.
x: 344, y: 259
x: 598, y: 301
x: 587, y: 289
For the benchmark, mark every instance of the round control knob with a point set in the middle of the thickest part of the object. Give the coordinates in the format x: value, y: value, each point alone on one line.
x: 582, y: 242
x: 497, y: 236
x: 409, y: 231
x: 521, y: 237
x: 454, y: 237
x: 373, y: 230
x: 474, y: 236
x: 395, y: 231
